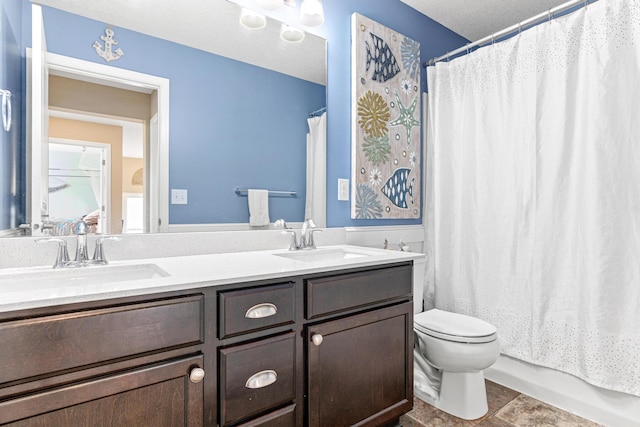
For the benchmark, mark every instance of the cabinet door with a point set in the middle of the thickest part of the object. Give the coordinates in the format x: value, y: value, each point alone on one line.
x: 360, y: 368
x: 156, y: 395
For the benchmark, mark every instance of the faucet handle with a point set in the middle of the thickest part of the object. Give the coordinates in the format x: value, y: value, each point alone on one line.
x: 310, y: 242
x: 98, y: 253
x: 63, y: 255
x: 293, y: 245
x: 308, y: 224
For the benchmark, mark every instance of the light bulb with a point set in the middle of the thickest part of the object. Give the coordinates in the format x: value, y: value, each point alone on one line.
x: 252, y: 20
x: 291, y: 34
x: 270, y: 4
x: 311, y: 13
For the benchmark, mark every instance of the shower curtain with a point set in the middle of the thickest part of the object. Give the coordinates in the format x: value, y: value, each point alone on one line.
x: 316, y: 189
x: 534, y: 217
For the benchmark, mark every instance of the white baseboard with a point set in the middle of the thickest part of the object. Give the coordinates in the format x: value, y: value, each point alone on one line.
x: 610, y: 408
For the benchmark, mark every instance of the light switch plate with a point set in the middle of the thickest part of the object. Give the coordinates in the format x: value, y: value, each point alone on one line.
x: 178, y: 197
x: 343, y: 189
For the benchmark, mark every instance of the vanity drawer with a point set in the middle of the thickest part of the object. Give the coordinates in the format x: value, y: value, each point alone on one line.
x: 256, y: 377
x: 334, y: 294
x: 284, y: 417
x: 253, y: 309
x: 49, y: 344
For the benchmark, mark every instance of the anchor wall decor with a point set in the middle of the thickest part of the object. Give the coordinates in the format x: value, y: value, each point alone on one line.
x: 107, y: 54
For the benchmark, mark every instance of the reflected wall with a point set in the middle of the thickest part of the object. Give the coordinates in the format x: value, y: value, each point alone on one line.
x: 231, y: 124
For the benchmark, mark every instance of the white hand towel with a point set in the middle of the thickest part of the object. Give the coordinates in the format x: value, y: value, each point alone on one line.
x: 258, y: 207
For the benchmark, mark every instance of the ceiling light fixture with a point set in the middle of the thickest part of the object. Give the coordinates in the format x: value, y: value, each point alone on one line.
x: 270, y: 4
x: 251, y: 19
x: 311, y: 13
x: 291, y: 34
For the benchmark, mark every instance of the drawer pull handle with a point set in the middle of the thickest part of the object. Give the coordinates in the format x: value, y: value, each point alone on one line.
x: 259, y: 311
x: 262, y: 379
x: 196, y: 375
x: 317, y: 339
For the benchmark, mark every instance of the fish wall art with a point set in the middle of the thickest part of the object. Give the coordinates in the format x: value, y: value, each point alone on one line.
x: 386, y: 146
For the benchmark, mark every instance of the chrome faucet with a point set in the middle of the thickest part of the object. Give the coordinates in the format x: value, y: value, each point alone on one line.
x: 306, y: 236
x: 82, y: 254
x: 62, y: 259
x: 306, y: 225
x: 98, y: 253
x: 293, y: 243
x: 82, y: 257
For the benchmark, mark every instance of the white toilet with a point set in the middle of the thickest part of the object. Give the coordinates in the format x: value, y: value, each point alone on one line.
x: 450, y: 352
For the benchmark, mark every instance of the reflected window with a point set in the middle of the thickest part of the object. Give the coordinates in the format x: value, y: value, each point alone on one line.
x: 133, y: 213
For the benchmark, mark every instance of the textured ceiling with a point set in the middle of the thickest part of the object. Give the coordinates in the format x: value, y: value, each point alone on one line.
x: 475, y: 19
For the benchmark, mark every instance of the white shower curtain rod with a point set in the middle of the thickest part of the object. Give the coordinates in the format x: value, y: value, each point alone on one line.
x: 548, y: 15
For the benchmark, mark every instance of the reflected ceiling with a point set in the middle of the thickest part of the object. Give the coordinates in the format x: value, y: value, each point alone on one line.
x: 209, y: 25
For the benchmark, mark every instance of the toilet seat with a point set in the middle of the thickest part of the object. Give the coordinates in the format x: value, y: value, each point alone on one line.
x: 454, y: 327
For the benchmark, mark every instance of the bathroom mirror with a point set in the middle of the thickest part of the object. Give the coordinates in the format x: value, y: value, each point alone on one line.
x: 263, y: 142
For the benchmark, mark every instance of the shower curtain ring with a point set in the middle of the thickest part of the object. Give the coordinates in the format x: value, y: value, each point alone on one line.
x: 549, y: 15
x: 468, y: 48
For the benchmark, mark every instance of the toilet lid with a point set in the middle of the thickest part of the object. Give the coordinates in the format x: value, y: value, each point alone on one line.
x: 454, y: 326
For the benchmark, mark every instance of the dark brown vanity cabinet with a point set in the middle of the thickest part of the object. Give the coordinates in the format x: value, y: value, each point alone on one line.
x: 129, y: 364
x: 359, y: 371
x: 331, y: 349
x: 359, y: 365
x: 155, y: 395
x: 257, y: 377
x: 326, y: 349
x: 257, y: 359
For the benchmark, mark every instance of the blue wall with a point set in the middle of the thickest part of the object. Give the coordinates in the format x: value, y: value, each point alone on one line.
x: 197, y: 160
x: 11, y: 196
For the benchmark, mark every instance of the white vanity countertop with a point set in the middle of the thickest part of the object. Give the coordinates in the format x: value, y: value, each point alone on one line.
x: 184, y: 272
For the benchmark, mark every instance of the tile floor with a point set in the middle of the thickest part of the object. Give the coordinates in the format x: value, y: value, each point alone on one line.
x: 507, y: 408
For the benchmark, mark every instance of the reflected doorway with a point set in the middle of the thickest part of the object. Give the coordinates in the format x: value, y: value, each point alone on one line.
x: 79, y: 177
x: 80, y: 110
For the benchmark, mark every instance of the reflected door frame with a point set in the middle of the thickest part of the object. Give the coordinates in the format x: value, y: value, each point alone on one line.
x: 158, y: 177
x: 158, y: 174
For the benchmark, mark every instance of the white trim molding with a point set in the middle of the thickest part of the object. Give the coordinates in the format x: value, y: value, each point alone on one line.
x: 235, y: 226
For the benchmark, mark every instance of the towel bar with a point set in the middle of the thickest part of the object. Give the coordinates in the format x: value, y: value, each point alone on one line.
x: 244, y: 192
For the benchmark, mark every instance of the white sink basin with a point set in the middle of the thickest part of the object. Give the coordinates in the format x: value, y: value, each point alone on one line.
x: 86, y: 276
x: 325, y: 254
